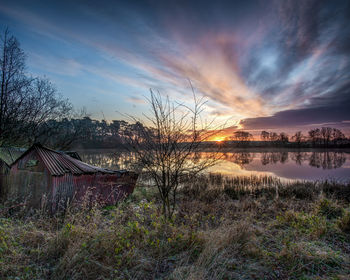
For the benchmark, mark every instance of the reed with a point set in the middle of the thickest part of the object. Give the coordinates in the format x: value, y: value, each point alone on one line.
x: 223, y: 228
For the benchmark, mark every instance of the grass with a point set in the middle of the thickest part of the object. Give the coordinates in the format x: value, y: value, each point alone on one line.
x: 224, y: 228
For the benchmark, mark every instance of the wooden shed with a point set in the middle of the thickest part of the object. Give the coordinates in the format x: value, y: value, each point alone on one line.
x: 7, y: 156
x: 4, y: 171
x: 44, y: 177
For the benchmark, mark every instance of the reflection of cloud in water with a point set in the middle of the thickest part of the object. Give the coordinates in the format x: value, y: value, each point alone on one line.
x: 230, y: 168
x: 314, y: 165
x: 328, y: 169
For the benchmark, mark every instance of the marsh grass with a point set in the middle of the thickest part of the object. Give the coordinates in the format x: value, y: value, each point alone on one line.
x: 223, y: 228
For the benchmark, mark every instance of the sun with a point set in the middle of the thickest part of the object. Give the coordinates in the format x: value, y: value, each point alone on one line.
x: 219, y: 139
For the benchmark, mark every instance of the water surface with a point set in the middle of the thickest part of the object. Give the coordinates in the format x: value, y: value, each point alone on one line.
x: 304, y: 165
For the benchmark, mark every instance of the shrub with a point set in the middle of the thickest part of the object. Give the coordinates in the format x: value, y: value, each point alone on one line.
x: 329, y: 209
x: 304, y: 223
x: 344, y: 222
x: 299, y: 190
x: 308, y: 258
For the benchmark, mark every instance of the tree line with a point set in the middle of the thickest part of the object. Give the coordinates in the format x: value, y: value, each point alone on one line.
x: 318, y: 137
x: 87, y: 133
x: 324, y: 136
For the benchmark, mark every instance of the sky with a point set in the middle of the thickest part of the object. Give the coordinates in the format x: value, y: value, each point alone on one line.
x: 262, y: 65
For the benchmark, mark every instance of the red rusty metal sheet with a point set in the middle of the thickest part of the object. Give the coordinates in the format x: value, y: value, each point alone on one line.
x: 104, y: 189
x: 58, y: 163
x: 59, y: 178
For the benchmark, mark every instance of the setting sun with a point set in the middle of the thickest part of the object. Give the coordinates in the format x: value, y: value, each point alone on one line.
x: 219, y: 139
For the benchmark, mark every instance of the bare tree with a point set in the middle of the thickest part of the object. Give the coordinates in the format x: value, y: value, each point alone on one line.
x: 63, y: 133
x: 298, y: 137
x: 314, y: 136
x: 283, y: 137
x: 166, y: 149
x: 326, y: 135
x: 274, y: 136
x: 242, y: 136
x: 337, y: 136
x: 265, y: 135
x: 25, y: 102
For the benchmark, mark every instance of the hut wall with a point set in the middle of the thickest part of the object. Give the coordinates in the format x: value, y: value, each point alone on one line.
x: 105, y: 189
x: 28, y: 181
x: 111, y: 188
x: 4, y: 171
x: 62, y: 191
x: 70, y: 188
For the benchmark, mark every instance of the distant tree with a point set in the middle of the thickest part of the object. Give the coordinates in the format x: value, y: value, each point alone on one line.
x: 298, y: 137
x: 337, y: 136
x: 62, y: 134
x: 283, y: 137
x: 265, y: 135
x: 274, y: 136
x: 25, y: 102
x: 242, y: 136
x: 326, y: 135
x: 114, y: 127
x: 103, y: 129
x: 314, y: 136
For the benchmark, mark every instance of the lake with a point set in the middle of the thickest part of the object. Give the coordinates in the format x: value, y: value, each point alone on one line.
x: 285, y: 164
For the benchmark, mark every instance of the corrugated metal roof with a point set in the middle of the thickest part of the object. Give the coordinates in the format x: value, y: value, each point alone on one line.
x: 73, y: 154
x: 59, y: 163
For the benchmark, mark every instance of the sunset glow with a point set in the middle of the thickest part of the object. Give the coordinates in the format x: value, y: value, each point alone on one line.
x: 266, y: 65
x: 219, y: 139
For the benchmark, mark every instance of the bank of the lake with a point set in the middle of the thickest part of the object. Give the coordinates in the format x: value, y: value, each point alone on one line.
x: 238, y: 228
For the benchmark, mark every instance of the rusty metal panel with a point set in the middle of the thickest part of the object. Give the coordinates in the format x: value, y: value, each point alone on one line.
x: 4, y: 171
x: 28, y: 184
x: 104, y: 188
x: 62, y: 191
x: 59, y: 163
x: 43, y: 175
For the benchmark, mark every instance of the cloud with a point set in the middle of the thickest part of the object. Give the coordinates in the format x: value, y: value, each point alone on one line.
x: 330, y: 107
x: 56, y: 65
x: 136, y: 99
x: 268, y: 64
x: 291, y: 118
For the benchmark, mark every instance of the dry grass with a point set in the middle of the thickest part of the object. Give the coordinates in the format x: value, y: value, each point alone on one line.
x: 224, y: 228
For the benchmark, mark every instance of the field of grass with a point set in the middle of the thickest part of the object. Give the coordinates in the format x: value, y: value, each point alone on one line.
x: 224, y: 228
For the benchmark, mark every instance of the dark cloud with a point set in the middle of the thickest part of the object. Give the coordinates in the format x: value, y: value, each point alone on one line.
x: 332, y: 108
x: 292, y: 118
